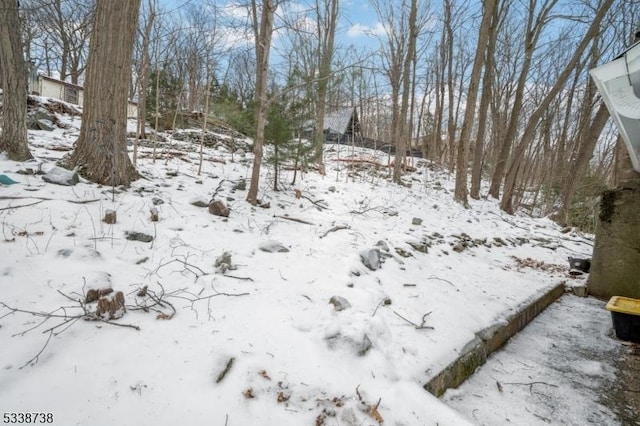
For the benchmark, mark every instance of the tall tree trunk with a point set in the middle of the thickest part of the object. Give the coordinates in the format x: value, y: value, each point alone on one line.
x: 327, y: 23
x: 101, y: 149
x: 532, y: 35
x: 13, y: 139
x: 506, y: 203
x: 143, y: 79
x: 485, y: 100
x: 263, y: 34
x: 460, y: 193
x: 403, y: 129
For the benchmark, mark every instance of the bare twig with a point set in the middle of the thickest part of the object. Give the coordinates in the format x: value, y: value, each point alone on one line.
x: 416, y: 326
x: 433, y: 277
x: 334, y: 229
x: 224, y: 372
x: 34, y: 360
x: 530, y: 384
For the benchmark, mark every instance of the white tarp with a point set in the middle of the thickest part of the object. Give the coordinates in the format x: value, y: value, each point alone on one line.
x: 619, y: 84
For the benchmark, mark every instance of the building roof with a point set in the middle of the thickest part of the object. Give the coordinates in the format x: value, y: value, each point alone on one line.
x: 343, y: 121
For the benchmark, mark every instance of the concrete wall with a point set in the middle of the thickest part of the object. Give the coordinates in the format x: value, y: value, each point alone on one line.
x: 615, y: 265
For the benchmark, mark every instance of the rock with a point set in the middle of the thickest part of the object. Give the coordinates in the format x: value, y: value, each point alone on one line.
x: 224, y: 264
x: 382, y: 245
x: 199, y: 203
x: 402, y: 252
x: 580, y: 290
x: 109, y: 217
x: 422, y: 247
x: 60, y: 176
x: 331, y: 189
x: 371, y: 258
x: 218, y: 208
x: 138, y: 236
x: 271, y: 246
x: 339, y: 303
x: 365, y: 346
x: 157, y: 201
x: 241, y: 185
x: 416, y: 221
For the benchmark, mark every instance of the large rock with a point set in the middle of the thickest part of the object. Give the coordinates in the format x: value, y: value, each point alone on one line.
x: 271, y: 246
x: 218, y: 208
x: 61, y: 176
x: 371, y: 258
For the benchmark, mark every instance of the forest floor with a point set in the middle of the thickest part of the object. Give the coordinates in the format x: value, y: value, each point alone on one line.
x: 332, y: 303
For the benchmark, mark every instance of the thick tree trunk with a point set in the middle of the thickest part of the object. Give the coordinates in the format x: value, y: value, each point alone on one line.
x: 13, y: 139
x: 101, y: 149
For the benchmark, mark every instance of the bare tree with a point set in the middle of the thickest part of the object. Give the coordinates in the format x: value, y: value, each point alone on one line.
x: 101, y: 148
x: 263, y: 30
x: 506, y: 202
x: 460, y: 194
x: 327, y: 21
x: 66, y: 27
x: 13, y: 139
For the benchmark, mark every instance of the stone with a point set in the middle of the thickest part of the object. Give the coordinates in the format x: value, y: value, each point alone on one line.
x: 382, y: 245
x: 271, y: 246
x: 331, y: 189
x: 199, y: 203
x: 580, y: 290
x: 224, y: 263
x: 60, y: 176
x: 218, y: 208
x: 138, y: 236
x: 371, y: 258
x: 339, y: 303
x: 416, y: 221
x: 241, y: 185
x: 365, y: 346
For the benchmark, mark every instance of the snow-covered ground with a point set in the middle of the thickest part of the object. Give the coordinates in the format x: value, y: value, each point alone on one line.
x: 254, y: 339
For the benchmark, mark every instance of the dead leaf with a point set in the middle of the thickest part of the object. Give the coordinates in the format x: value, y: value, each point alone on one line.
x: 320, y: 420
x: 499, y: 386
x: 248, y: 393
x: 373, y: 412
x: 338, y: 401
x: 298, y: 194
x: 162, y: 316
x: 264, y: 374
x: 282, y: 397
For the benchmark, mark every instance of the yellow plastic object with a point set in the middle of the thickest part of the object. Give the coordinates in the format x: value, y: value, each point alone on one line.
x: 624, y: 305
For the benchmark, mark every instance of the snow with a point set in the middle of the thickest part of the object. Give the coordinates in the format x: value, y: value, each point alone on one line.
x: 296, y: 359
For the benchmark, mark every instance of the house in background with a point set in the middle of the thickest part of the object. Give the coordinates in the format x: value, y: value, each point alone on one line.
x: 42, y: 85
x: 342, y: 126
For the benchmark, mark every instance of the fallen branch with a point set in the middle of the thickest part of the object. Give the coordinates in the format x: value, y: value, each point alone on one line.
x: 334, y: 229
x: 417, y: 327
x: 22, y: 205
x: 293, y: 219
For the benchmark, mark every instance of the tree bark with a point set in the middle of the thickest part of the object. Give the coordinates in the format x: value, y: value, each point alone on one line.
x: 460, y: 193
x: 101, y: 149
x: 13, y: 139
x: 263, y: 35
